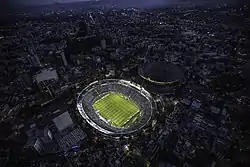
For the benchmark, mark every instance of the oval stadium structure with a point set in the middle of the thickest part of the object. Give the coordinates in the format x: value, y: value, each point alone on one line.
x: 161, y: 73
x: 115, y: 107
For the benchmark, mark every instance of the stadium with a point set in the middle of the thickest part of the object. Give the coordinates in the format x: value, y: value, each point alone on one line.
x: 160, y: 77
x: 161, y: 73
x: 115, y: 107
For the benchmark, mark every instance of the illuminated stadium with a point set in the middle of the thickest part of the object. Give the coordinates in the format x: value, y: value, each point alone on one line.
x: 115, y: 107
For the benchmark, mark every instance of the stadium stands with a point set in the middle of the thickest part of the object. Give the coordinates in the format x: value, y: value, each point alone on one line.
x: 98, y: 89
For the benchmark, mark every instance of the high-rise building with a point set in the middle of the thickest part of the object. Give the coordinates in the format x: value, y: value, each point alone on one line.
x: 26, y: 80
x: 33, y: 60
x: 38, y: 138
x: 33, y: 57
x: 34, y: 143
x: 83, y: 29
x: 65, y: 62
x: 63, y: 121
x: 47, y: 81
x: 46, y: 135
x: 103, y: 44
x: 46, y: 75
x: 37, y: 60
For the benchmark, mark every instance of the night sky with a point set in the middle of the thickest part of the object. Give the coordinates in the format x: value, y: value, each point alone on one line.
x: 8, y: 4
x: 166, y: 2
x: 39, y: 2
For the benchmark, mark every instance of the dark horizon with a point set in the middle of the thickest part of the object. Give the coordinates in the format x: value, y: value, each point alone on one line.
x: 128, y: 2
x: 9, y: 6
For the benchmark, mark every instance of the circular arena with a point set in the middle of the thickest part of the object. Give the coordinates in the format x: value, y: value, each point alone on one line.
x: 161, y: 73
x: 115, y: 107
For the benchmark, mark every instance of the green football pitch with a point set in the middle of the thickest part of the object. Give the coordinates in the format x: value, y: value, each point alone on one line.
x: 117, y: 109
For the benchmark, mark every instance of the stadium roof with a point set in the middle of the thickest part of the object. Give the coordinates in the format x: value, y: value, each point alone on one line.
x: 162, y: 73
x: 46, y: 74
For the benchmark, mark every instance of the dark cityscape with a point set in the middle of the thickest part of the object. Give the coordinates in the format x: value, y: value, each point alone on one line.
x: 129, y: 83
